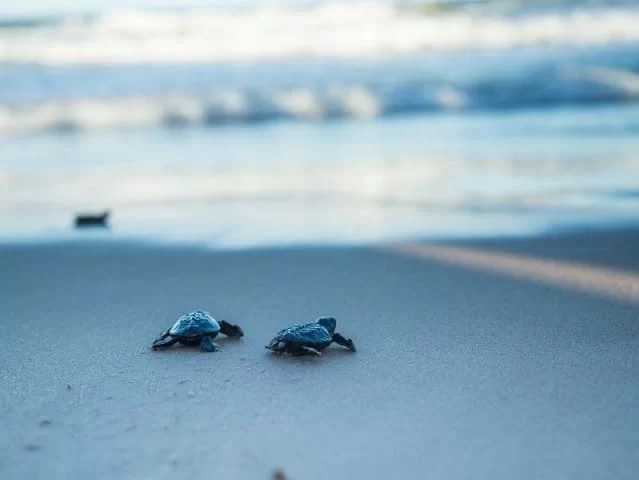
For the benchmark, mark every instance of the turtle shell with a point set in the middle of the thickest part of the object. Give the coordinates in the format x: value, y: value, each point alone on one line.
x: 195, y: 324
x: 309, y: 334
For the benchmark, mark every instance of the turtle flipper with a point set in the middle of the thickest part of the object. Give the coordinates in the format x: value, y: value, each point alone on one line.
x: 293, y: 349
x: 162, y: 342
x: 345, y: 342
x: 307, y: 351
x: 230, y: 330
x: 207, y: 345
x: 276, y: 346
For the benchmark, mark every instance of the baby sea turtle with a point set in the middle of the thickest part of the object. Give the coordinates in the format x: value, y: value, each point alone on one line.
x: 309, y: 338
x: 196, y: 328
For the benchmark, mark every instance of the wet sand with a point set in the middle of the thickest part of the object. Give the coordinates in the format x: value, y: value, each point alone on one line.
x: 461, y: 372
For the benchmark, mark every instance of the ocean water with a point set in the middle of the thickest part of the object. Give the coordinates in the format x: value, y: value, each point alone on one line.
x: 331, y: 122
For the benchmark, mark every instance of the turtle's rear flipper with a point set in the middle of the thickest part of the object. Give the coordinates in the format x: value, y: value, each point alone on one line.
x: 230, y: 330
x: 308, y: 351
x: 345, y: 342
x: 162, y: 341
x: 276, y: 347
x: 293, y: 349
x: 207, y: 345
x: 297, y: 350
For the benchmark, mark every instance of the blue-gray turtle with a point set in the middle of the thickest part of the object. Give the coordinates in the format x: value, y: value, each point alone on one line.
x: 309, y: 338
x: 196, y: 328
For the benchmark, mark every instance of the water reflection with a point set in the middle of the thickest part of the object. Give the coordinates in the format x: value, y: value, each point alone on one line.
x: 323, y: 183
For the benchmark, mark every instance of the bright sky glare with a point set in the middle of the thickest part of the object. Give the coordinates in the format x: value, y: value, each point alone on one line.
x: 56, y: 7
x: 24, y: 8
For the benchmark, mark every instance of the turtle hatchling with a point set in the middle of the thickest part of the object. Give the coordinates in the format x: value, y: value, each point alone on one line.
x: 197, y: 328
x: 309, y: 338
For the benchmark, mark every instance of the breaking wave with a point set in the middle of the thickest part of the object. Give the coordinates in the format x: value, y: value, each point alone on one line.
x: 143, y: 68
x: 368, y: 100
x: 175, y: 110
x: 323, y: 30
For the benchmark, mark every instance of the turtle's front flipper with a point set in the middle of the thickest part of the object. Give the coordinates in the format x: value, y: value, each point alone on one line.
x: 230, y: 330
x: 345, y: 342
x: 162, y: 342
x: 207, y: 345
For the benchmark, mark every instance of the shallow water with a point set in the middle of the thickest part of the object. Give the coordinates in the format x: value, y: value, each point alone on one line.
x: 337, y: 182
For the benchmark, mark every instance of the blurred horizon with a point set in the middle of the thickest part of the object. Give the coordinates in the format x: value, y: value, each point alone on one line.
x: 45, y: 8
x: 34, y: 9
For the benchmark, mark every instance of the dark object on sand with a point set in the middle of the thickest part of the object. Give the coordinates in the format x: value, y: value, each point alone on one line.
x: 197, y: 328
x: 32, y: 447
x: 279, y: 474
x: 309, y: 339
x: 91, y: 220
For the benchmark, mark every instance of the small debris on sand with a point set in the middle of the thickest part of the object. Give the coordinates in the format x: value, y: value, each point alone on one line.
x: 92, y: 219
x: 44, y: 421
x: 279, y: 474
x: 191, y: 394
x: 68, y: 386
x: 32, y: 447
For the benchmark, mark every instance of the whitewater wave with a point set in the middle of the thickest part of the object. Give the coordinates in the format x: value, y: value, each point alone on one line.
x: 587, y: 84
x: 175, y: 110
x: 323, y: 30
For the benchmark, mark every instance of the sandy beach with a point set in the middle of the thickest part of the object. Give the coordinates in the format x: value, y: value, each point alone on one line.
x: 462, y: 371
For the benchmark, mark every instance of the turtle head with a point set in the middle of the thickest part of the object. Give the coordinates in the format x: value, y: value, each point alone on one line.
x: 329, y: 323
x: 231, y: 330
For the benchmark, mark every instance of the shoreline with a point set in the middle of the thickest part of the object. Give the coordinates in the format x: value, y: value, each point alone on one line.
x: 560, y: 238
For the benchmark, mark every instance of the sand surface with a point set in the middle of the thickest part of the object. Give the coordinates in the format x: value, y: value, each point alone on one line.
x: 461, y: 373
